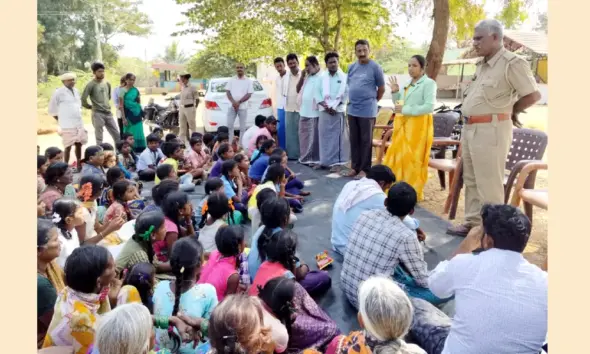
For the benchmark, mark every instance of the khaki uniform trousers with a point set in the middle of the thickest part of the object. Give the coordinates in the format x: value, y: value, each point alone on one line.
x: 485, y: 148
x: 187, y: 119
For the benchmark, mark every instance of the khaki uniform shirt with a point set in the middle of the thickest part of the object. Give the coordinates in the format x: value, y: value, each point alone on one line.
x: 188, y: 95
x: 498, y: 83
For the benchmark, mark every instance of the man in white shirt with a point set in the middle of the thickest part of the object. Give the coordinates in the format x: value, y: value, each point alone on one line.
x: 66, y: 107
x: 252, y: 131
x: 501, y: 298
x: 292, y: 107
x: 239, y: 89
x: 280, y: 99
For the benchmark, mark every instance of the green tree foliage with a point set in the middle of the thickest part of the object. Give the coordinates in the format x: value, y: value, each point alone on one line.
x: 394, y: 58
x: 514, y: 13
x: 209, y: 63
x: 173, y: 54
x: 68, y: 39
x: 464, y: 16
x: 142, y: 70
x: 461, y: 19
x: 247, y: 30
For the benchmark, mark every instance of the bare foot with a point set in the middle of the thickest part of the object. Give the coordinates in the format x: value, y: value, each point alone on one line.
x: 304, y: 193
x: 362, y: 174
x: 351, y: 173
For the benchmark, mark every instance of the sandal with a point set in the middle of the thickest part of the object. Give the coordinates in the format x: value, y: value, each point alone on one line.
x: 459, y: 230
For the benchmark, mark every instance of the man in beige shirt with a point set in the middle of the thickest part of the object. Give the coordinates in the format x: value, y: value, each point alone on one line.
x: 502, y: 88
x: 292, y: 107
x: 187, y: 112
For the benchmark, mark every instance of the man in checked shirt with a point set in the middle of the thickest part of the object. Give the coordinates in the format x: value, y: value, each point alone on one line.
x: 381, y: 244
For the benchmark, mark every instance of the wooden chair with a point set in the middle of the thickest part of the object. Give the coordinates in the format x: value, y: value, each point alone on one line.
x: 527, y: 145
x: 383, y: 125
x: 530, y: 196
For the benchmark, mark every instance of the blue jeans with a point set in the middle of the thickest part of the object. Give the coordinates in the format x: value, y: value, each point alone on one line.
x: 414, y: 290
x: 186, y: 183
x: 281, y: 131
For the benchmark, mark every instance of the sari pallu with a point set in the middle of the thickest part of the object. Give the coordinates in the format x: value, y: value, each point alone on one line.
x: 134, y: 116
x: 74, y: 317
x: 313, y: 328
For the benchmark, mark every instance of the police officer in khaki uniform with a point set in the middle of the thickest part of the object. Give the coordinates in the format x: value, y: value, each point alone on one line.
x: 189, y: 99
x: 502, y: 88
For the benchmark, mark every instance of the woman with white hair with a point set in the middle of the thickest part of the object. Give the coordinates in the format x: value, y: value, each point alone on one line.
x: 385, y: 314
x: 128, y: 329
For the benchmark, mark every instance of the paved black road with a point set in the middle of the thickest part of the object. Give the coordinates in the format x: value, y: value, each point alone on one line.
x: 314, y: 227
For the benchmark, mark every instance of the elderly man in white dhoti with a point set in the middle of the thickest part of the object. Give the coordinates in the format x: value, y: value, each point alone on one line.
x: 333, y: 133
x: 66, y: 107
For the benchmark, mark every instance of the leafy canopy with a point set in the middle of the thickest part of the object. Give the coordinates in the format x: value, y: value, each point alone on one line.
x: 251, y: 30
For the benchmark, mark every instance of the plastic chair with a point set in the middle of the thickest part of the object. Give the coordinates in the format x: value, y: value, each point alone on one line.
x: 530, y: 196
x: 527, y: 145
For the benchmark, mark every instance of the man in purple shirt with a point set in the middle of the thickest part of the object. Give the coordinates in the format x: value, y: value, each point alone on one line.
x: 366, y: 86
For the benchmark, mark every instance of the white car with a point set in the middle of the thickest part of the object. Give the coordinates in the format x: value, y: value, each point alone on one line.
x: 217, y: 105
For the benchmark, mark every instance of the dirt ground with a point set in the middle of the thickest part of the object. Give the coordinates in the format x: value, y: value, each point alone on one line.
x: 536, y: 251
x: 47, y: 124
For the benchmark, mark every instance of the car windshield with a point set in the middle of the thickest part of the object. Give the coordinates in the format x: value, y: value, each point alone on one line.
x: 219, y: 86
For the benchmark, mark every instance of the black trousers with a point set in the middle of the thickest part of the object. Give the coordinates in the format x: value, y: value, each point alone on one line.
x: 361, y: 142
x: 120, y: 123
x: 146, y: 175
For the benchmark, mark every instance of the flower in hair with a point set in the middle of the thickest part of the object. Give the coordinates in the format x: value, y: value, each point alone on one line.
x: 231, y: 205
x: 55, y: 218
x: 205, y: 208
x: 85, y: 191
x: 146, y: 235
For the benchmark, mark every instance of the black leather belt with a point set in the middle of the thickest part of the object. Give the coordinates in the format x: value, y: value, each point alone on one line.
x: 188, y: 105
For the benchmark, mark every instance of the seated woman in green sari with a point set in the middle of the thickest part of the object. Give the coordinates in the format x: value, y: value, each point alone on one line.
x: 132, y: 114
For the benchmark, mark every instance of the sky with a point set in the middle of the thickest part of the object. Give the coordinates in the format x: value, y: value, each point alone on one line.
x: 166, y: 14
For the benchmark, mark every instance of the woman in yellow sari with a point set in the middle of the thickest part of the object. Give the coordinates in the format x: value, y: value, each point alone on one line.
x: 413, y: 129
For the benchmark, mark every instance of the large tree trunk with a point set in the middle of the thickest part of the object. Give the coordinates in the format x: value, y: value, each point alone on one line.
x: 440, y: 33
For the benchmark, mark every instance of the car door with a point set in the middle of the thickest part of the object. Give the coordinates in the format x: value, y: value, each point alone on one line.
x: 255, y: 102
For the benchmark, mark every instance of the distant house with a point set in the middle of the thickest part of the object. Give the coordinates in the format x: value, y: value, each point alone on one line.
x: 169, y: 76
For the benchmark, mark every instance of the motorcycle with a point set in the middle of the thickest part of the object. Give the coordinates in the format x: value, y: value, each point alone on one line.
x: 163, y: 117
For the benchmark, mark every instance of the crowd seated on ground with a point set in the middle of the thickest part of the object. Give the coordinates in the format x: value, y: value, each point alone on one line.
x: 121, y: 275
